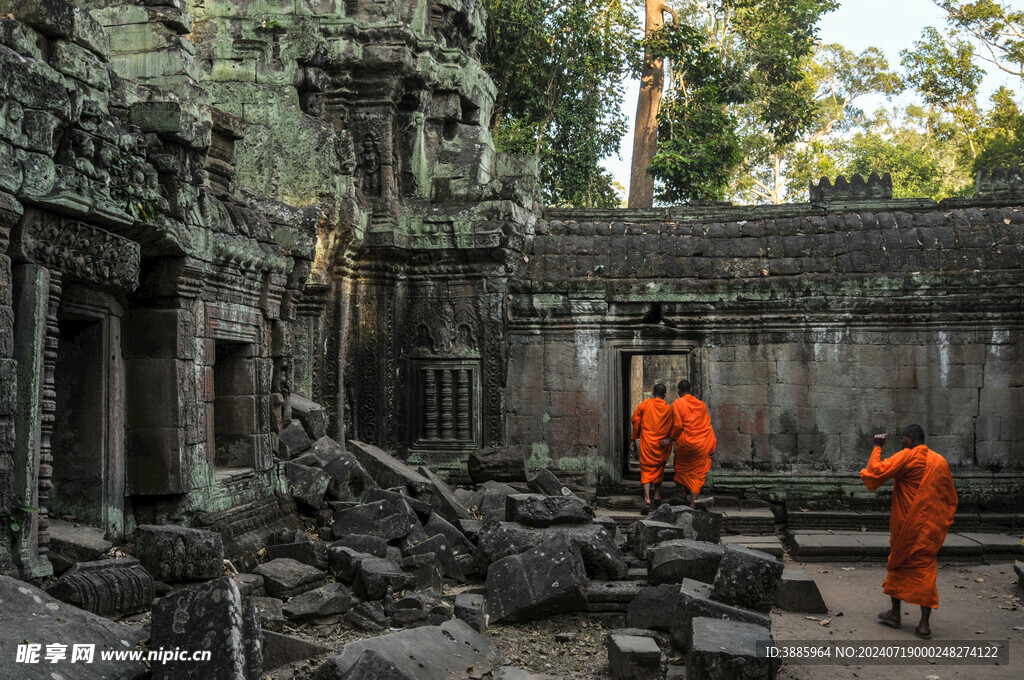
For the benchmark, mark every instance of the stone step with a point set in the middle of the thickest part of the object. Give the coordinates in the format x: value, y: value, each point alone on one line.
x: 841, y: 546
x: 768, y: 544
x: 797, y: 520
x: 744, y: 522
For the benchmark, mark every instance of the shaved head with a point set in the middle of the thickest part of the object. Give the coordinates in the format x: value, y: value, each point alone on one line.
x: 915, y: 433
x: 683, y: 387
x: 660, y: 391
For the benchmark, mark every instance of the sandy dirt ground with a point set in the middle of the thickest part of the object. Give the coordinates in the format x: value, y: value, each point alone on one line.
x: 976, y: 602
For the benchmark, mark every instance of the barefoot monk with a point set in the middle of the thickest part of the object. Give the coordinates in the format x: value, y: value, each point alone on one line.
x: 652, y: 423
x: 923, y: 503
x: 695, y: 442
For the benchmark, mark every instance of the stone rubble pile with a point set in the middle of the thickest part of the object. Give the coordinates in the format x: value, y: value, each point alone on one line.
x: 383, y: 544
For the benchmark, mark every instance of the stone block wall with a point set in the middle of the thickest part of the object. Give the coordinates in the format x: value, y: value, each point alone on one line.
x: 807, y: 330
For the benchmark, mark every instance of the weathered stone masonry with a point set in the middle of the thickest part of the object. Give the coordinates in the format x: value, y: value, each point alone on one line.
x: 146, y: 309
x: 808, y: 327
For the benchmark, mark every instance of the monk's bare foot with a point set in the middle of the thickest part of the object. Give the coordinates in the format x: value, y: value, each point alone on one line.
x: 887, y: 619
x: 646, y: 509
x: 923, y: 632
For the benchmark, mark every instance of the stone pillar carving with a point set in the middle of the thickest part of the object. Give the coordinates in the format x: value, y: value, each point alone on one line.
x: 430, y: 404
x: 447, y: 406
x: 462, y: 406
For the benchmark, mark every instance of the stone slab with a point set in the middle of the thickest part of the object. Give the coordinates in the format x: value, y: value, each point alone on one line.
x: 281, y: 650
x: 799, y: 593
x: 427, y: 653
x: 766, y: 544
x: 694, y: 600
x: 727, y: 650
x: 631, y: 657
x: 285, y: 577
x: 387, y: 471
x: 40, y: 619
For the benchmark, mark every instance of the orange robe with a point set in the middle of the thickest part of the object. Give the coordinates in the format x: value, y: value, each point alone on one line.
x: 923, y: 503
x: 695, y: 442
x: 652, y: 422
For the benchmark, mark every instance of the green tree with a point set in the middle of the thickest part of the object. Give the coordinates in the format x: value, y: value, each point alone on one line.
x: 915, y: 146
x: 728, y: 54
x: 559, y: 67
x: 837, y: 78
x: 944, y: 73
x: 998, y: 27
x: 1001, y: 136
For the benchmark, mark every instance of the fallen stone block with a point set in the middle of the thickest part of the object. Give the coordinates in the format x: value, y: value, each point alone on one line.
x: 270, y: 611
x: 70, y: 544
x: 545, y: 482
x: 489, y: 500
x: 727, y: 650
x: 545, y: 580
x: 284, y: 578
x: 653, y: 608
x: 387, y: 518
x: 307, y: 485
x: 292, y: 440
x: 472, y: 608
x: 694, y: 600
x: 368, y: 616
x: 29, y: 614
x: 425, y: 570
x: 499, y: 465
x: 443, y: 499
x: 799, y: 593
x: 211, y: 617
x: 332, y: 598
x: 371, y: 545
x: 173, y: 553
x: 438, y: 545
x: 387, y: 471
x: 632, y: 657
x: 470, y: 528
x: 281, y: 650
x: 106, y: 587
x: 611, y: 596
x: 536, y: 510
x: 375, y: 576
x: 348, y: 480
x: 601, y: 557
x: 249, y: 585
x: 308, y: 552
x: 648, y: 533
x: 672, y: 561
x: 426, y: 653
x: 344, y: 562
x: 747, y: 578
x: 439, y: 526
x: 312, y: 415
x: 399, y: 499
x: 700, y: 525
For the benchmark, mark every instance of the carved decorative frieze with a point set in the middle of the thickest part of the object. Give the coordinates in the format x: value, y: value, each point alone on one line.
x: 106, y: 587
x: 77, y: 250
x: 1000, y: 182
x: 856, y: 188
x: 445, y: 327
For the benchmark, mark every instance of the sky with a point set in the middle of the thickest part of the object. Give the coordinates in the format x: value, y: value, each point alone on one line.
x: 890, y: 25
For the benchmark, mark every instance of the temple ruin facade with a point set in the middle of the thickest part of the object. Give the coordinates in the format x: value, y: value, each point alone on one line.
x: 210, y: 209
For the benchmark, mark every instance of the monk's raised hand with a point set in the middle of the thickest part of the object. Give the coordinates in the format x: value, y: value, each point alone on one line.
x: 880, y: 439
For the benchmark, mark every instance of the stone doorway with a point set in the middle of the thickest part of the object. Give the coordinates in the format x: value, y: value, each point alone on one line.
x: 634, y: 368
x: 89, y: 415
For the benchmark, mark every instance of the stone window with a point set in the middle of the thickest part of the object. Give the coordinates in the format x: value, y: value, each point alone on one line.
x: 234, y: 405
x: 446, y: 405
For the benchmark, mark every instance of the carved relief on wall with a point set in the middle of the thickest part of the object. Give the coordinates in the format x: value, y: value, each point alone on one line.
x: 78, y: 250
x: 445, y: 326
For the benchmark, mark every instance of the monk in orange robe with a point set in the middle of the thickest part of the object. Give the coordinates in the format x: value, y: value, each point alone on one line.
x: 695, y: 442
x: 652, y: 423
x: 923, y: 503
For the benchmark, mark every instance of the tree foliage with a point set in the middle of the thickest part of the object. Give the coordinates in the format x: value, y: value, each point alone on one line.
x: 559, y: 68
x: 728, y: 54
x: 997, y: 26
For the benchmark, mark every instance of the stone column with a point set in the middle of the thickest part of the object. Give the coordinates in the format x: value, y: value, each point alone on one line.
x: 31, y: 307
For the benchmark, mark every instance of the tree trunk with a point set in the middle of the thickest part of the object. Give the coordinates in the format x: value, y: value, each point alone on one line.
x: 645, y: 136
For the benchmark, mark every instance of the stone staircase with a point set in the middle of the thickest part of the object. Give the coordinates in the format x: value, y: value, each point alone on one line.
x: 828, y: 535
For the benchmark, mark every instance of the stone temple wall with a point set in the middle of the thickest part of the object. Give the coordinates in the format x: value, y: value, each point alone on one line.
x: 807, y: 329
x: 146, y: 308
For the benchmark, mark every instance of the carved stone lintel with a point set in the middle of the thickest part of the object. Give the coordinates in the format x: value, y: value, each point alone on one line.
x: 855, y: 189
x: 75, y: 249
x: 106, y: 587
